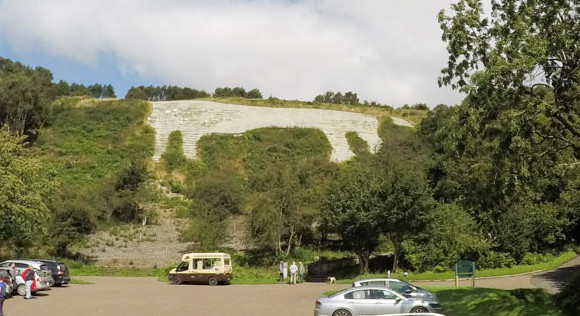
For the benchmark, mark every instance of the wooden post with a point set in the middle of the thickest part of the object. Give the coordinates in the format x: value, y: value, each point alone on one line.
x: 456, y: 277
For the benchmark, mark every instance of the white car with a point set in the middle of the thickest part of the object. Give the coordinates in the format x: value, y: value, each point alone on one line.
x: 371, y: 300
x: 400, y: 287
x: 42, y: 274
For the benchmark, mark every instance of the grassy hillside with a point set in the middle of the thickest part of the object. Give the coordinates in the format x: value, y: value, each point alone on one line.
x: 90, y: 139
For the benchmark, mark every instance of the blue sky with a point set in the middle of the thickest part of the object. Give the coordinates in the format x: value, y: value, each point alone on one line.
x: 385, y: 50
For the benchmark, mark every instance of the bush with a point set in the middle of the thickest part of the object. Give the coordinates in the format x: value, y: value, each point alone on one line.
x: 495, y: 260
x: 568, y: 299
x: 173, y: 156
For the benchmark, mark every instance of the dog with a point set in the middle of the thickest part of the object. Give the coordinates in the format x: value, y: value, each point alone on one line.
x: 331, y: 279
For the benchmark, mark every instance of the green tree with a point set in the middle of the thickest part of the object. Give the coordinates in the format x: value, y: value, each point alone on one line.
x: 522, y: 62
x: 349, y: 208
x: 23, y: 191
x: 283, y: 208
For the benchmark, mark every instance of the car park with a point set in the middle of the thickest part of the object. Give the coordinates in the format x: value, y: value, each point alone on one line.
x: 42, y: 274
x: 210, y: 268
x: 400, y: 287
x: 59, y: 272
x: 372, y: 300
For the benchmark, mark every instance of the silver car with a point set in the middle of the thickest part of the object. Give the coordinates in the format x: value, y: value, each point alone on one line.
x: 400, y: 287
x: 371, y: 300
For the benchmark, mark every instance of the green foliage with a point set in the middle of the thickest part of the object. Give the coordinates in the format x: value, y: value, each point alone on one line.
x: 481, y: 301
x: 173, y: 157
x: 90, y: 140
x: 568, y: 299
x: 25, y: 95
x: 23, y: 192
x: 237, y: 92
x: 73, y: 217
x: 357, y: 145
x: 164, y: 93
x: 451, y: 234
x: 337, y: 98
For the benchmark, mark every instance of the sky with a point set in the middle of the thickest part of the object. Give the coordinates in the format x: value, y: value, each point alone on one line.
x: 388, y: 51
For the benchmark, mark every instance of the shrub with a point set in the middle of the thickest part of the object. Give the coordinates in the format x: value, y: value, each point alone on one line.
x: 495, y: 260
x: 568, y: 299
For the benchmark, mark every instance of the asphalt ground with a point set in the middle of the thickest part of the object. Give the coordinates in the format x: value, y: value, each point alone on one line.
x: 147, y: 296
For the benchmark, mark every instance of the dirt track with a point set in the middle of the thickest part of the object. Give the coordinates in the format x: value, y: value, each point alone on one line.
x: 147, y: 297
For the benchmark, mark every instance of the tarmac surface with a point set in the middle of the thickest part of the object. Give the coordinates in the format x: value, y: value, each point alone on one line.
x: 148, y: 296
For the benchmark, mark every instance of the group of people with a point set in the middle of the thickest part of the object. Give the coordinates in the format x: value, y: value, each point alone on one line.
x: 8, y: 283
x: 296, y: 272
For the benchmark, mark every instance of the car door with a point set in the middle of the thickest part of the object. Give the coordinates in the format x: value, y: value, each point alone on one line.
x: 386, y: 302
x: 360, y: 303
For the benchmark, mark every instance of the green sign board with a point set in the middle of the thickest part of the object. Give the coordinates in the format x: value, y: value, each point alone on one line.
x: 465, y: 268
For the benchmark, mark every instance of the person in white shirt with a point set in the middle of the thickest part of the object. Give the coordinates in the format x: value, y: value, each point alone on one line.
x: 293, y: 272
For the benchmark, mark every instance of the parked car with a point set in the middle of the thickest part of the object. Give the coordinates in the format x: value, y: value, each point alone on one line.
x: 371, y: 300
x: 59, y: 271
x: 42, y: 274
x: 400, y: 287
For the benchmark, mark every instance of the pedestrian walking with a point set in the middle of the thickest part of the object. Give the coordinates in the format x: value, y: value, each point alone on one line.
x: 293, y: 272
x: 2, y: 295
x: 281, y: 271
x: 301, y: 271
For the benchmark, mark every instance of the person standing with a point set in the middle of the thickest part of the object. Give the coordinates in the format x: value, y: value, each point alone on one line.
x: 2, y: 295
x: 281, y: 271
x: 293, y: 272
x: 301, y: 271
x: 12, y: 274
x: 28, y: 276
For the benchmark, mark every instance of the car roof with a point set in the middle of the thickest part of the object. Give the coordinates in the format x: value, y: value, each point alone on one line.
x: 367, y: 287
x: 47, y: 261
x: 378, y: 279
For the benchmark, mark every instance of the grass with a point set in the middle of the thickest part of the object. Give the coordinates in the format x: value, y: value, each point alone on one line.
x: 519, y: 269
x: 90, y: 139
x: 484, y: 302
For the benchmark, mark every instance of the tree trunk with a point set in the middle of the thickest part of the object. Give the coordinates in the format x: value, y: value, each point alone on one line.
x: 363, y: 261
x: 289, y: 242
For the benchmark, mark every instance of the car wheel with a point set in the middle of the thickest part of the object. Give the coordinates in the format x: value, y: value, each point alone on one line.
x: 212, y: 281
x: 419, y: 309
x: 341, y: 312
x: 51, y: 282
x: 175, y: 280
x: 21, y: 289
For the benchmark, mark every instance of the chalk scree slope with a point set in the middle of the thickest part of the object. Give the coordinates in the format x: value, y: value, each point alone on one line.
x: 196, y: 118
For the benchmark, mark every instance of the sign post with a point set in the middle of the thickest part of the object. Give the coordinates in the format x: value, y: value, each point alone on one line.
x: 465, y: 268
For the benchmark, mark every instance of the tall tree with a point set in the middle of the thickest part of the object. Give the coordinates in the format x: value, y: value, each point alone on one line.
x: 522, y: 63
x: 22, y: 194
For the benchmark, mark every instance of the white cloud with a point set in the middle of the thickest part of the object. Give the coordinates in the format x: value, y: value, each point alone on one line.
x: 386, y: 51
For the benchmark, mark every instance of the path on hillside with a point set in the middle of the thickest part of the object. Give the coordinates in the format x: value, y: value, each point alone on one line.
x: 551, y: 280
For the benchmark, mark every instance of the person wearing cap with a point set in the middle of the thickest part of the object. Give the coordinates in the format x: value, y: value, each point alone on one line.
x: 301, y: 271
